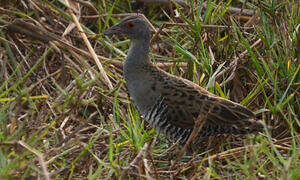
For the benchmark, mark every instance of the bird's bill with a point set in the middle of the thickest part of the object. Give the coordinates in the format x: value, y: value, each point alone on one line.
x: 114, y: 30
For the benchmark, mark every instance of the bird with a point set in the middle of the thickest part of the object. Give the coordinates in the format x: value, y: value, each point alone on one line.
x: 172, y: 104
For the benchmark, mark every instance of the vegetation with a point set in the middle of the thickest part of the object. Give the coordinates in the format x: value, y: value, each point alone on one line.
x: 60, y: 117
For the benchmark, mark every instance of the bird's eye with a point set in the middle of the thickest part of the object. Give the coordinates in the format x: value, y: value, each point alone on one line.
x: 129, y: 24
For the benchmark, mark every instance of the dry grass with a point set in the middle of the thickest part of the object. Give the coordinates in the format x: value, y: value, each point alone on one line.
x: 64, y: 108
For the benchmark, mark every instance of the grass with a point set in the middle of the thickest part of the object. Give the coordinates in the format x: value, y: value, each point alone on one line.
x: 60, y: 119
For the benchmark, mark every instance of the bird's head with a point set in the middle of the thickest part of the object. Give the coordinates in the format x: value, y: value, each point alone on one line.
x: 132, y: 27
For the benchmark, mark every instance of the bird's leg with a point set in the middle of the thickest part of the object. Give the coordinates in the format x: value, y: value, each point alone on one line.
x: 200, y: 121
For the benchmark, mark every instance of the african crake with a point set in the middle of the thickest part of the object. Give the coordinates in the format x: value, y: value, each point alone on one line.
x: 169, y: 103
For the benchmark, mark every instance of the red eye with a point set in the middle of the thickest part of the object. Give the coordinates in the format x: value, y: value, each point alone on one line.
x: 129, y: 24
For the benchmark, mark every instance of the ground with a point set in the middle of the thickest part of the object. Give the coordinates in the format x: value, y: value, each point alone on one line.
x: 66, y: 114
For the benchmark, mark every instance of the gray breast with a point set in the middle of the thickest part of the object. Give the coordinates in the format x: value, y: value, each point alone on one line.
x: 139, y: 87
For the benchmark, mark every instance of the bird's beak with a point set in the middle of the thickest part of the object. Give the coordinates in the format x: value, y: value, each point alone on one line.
x: 114, y: 30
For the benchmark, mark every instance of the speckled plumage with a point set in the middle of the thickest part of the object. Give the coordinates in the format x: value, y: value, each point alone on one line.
x: 171, y: 104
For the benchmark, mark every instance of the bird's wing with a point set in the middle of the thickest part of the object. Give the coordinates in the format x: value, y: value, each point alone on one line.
x: 186, y: 101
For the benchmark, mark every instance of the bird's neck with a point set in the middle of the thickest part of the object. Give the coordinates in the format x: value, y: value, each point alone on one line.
x: 138, y: 53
